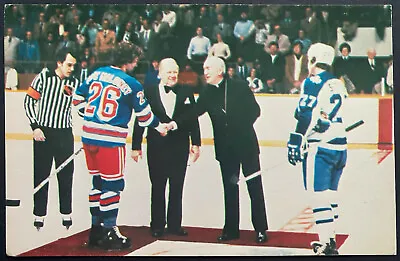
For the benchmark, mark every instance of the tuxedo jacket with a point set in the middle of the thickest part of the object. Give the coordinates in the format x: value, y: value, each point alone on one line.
x: 368, y: 77
x: 233, y: 110
x: 175, y: 143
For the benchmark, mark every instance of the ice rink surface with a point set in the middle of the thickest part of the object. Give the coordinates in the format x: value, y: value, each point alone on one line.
x: 367, y: 203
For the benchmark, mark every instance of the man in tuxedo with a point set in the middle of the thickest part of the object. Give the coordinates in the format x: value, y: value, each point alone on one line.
x: 274, y: 64
x: 167, y: 156
x: 233, y: 110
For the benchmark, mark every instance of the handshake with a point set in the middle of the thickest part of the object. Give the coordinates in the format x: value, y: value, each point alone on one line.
x: 163, y: 128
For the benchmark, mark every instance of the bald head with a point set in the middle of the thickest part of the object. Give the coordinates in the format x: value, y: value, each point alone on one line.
x: 168, y: 71
x: 371, y: 53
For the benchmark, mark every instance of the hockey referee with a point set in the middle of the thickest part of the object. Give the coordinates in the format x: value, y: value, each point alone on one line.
x: 48, y: 107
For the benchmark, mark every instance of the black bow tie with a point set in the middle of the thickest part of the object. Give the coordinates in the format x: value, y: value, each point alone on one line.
x: 168, y: 88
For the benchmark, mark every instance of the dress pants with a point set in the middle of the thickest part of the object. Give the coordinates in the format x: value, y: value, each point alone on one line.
x: 59, y: 145
x: 167, y: 166
x: 230, y: 169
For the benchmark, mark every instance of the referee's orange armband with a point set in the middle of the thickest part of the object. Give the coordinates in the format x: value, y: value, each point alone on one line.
x: 33, y: 93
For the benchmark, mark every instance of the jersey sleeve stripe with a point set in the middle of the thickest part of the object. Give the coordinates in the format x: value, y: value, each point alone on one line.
x: 33, y: 93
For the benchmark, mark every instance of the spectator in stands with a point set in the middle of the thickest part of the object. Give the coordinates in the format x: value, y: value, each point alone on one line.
x: 48, y: 50
x: 60, y: 27
x: 296, y: 69
x: 147, y: 40
x: 83, y: 72
x: 255, y: 84
x: 343, y: 68
x: 40, y: 29
x: 157, y: 22
x: 274, y: 69
x: 231, y: 72
x: 371, y: 72
x: 311, y: 25
x: 29, y: 54
x: 55, y: 18
x: 224, y: 29
x: 12, y: 16
x: 220, y: 49
x: 203, y: 20
x: 169, y: 17
x: 281, y: 39
x: 66, y: 43
x: 242, y: 70
x: 105, y: 43
x: 21, y: 29
x: 328, y: 27
x: 128, y: 34
x: 90, y: 30
x: 116, y: 25
x: 243, y: 31
x: 148, y: 13
x: 198, y: 49
x: 11, y: 44
x: 71, y: 13
x: 304, y: 41
x: 260, y: 38
x: 257, y: 64
x: 289, y: 26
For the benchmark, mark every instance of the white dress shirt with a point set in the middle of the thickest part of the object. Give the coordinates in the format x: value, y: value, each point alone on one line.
x: 167, y: 99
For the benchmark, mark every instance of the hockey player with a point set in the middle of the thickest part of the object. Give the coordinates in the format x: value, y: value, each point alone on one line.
x: 319, y: 119
x: 106, y: 100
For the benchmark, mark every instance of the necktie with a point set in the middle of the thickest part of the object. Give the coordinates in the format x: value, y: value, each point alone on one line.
x: 105, y: 33
x: 83, y: 75
x: 40, y: 28
x: 168, y: 88
x: 9, y: 39
x: 372, y: 65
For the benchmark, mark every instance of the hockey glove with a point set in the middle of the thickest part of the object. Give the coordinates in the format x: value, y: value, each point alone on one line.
x: 322, y: 125
x: 296, y: 148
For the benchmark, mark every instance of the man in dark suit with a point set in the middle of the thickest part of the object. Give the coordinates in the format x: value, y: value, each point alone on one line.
x: 167, y: 156
x: 343, y: 68
x: 233, y: 110
x: 274, y: 64
x: 371, y: 73
x: 242, y: 70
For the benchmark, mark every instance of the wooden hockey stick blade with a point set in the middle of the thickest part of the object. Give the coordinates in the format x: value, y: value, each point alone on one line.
x: 13, y: 202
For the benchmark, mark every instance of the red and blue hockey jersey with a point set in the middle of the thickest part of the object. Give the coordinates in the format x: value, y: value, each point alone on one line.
x: 107, y: 98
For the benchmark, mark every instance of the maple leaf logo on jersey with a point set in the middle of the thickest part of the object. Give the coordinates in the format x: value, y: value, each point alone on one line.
x: 68, y: 90
x: 315, y: 79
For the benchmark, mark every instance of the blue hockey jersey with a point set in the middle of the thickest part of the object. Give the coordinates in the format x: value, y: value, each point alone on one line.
x: 108, y: 97
x: 322, y: 96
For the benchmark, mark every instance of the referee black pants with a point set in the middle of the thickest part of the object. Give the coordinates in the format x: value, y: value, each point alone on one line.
x: 230, y: 169
x: 59, y: 145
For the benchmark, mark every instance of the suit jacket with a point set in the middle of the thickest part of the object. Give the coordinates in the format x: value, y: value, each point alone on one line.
x: 176, y: 143
x: 368, y: 77
x: 289, y: 69
x: 149, y: 49
x: 274, y: 70
x: 39, y: 36
x: 226, y: 32
x: 234, y: 134
x: 104, y: 44
x: 246, y: 72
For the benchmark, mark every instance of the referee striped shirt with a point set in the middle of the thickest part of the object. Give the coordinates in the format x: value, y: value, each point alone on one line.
x: 48, y: 100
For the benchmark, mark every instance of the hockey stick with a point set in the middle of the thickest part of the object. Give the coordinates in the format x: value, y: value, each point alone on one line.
x: 348, y: 128
x: 258, y: 173
x: 63, y: 165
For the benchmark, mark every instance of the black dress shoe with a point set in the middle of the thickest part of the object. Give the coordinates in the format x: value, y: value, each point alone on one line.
x: 157, y: 233
x: 226, y: 237
x: 178, y: 232
x: 261, y: 237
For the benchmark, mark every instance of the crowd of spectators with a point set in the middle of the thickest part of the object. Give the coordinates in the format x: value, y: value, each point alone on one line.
x: 263, y: 44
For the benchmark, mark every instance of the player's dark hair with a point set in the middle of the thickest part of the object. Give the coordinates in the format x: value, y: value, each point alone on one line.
x: 61, y: 55
x: 125, y: 53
